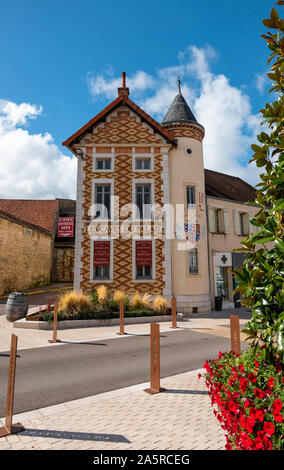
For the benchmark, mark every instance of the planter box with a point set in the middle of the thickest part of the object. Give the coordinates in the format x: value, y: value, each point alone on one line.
x: 62, y: 325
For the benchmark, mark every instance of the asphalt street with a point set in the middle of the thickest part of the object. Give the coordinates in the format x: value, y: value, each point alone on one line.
x: 64, y: 372
x: 45, y: 294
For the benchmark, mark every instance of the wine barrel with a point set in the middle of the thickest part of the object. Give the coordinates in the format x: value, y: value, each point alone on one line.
x: 17, y: 306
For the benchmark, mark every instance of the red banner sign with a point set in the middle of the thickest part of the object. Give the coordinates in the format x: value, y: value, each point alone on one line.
x: 101, y: 253
x: 65, y: 227
x: 143, y: 253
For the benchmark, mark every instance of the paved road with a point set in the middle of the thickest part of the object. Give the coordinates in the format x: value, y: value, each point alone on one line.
x: 49, y: 293
x: 52, y: 375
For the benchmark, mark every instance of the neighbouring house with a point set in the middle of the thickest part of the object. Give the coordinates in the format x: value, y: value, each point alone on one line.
x: 36, y: 242
x: 25, y: 254
x: 124, y: 153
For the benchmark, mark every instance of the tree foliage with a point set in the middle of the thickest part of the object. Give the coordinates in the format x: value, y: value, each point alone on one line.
x: 261, y: 278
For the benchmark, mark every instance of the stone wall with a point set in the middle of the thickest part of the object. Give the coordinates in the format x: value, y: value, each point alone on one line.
x: 64, y: 264
x: 25, y: 257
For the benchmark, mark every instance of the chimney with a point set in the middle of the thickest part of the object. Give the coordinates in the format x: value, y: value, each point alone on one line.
x: 123, y: 90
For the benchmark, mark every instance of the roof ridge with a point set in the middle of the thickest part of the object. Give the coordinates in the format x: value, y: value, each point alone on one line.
x: 16, y: 199
x: 17, y: 219
x: 119, y: 100
x: 230, y: 176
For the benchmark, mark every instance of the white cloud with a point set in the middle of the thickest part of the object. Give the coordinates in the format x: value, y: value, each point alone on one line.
x: 108, y: 86
x: 223, y: 109
x: 230, y: 127
x: 261, y: 82
x: 32, y: 166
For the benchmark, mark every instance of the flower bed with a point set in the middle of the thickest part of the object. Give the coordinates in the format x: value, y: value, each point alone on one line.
x: 99, y: 304
x: 248, y: 394
x: 93, y: 315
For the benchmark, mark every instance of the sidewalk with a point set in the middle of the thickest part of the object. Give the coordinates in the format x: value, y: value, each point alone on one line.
x: 180, y: 418
x: 39, y: 338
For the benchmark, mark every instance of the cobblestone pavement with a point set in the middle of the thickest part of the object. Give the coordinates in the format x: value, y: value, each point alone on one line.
x: 180, y: 418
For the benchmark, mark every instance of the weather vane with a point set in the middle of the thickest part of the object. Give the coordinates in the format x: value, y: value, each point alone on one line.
x: 179, y: 83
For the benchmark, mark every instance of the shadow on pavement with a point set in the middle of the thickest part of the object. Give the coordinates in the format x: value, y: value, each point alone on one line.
x: 192, y: 328
x: 143, y: 334
x: 185, y: 392
x: 80, y: 436
x: 8, y: 355
x: 82, y: 342
x: 243, y: 314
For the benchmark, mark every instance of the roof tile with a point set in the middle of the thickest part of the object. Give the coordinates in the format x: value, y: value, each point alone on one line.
x: 37, y: 212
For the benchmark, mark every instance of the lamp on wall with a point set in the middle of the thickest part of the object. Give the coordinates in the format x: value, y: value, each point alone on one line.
x: 80, y: 153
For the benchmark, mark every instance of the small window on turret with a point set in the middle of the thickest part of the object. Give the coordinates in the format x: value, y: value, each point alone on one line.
x: 188, y: 151
x: 190, y: 195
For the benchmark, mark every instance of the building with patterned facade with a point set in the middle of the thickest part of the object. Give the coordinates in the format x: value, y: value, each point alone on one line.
x: 149, y: 217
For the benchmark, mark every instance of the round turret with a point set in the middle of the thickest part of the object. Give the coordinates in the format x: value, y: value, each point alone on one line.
x: 190, y: 276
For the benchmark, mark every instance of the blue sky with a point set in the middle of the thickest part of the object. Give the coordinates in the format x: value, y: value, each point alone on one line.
x: 61, y: 61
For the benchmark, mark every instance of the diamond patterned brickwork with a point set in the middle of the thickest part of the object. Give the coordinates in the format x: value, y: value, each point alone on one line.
x: 185, y: 130
x: 123, y: 128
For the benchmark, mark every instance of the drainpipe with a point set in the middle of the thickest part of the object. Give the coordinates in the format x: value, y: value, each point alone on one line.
x: 208, y: 249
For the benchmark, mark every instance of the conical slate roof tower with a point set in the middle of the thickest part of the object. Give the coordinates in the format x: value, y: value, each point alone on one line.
x: 179, y: 119
x: 179, y: 111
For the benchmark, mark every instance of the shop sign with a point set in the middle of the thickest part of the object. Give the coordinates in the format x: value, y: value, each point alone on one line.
x: 65, y: 227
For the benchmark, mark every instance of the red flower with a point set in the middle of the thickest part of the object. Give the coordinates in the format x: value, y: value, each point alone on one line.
x: 245, y: 441
x: 233, y: 407
x: 252, y: 378
x: 258, y: 393
x: 277, y: 405
x: 259, y: 415
x: 271, y: 383
x: 278, y: 416
x: 250, y: 424
x: 260, y: 434
x: 243, y: 385
x: 257, y: 445
x: 243, y: 422
x: 269, y: 428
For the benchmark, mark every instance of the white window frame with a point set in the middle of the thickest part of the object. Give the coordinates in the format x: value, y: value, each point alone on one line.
x: 99, y: 182
x: 135, y: 182
x: 190, y: 204
x: 142, y: 156
x: 221, y: 218
x: 197, y: 262
x: 217, y: 216
x: 153, y: 279
x: 103, y: 156
x: 242, y: 223
x: 100, y: 281
x: 246, y: 224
